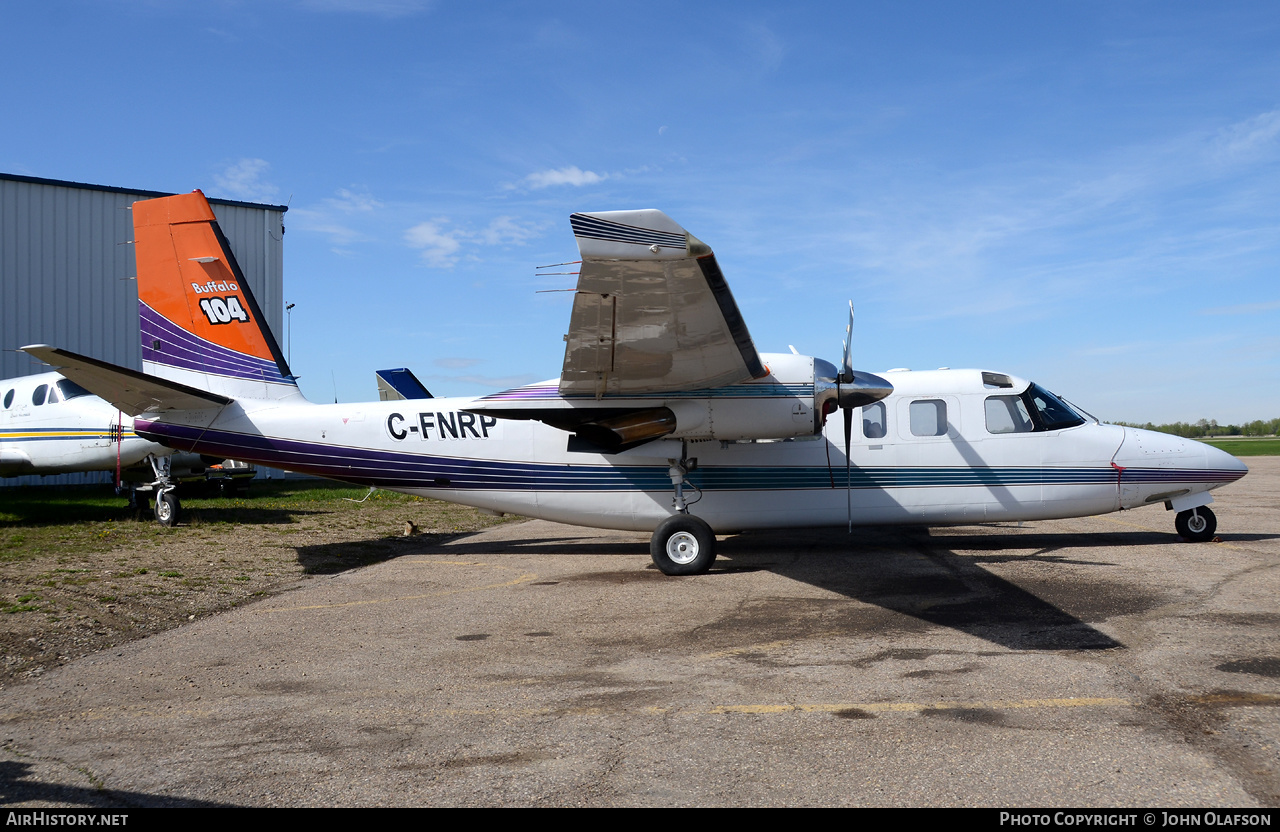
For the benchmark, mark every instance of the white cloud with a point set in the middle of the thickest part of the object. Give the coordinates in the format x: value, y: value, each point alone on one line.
x: 501, y: 382
x: 331, y: 216
x: 1250, y: 137
x: 572, y: 175
x: 456, y: 363
x: 763, y: 45
x: 439, y: 247
x: 379, y: 8
x: 508, y: 231
x: 1243, y: 309
x: 243, y: 180
x: 350, y: 201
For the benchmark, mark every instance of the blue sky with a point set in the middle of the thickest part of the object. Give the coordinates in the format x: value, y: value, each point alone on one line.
x: 1085, y: 194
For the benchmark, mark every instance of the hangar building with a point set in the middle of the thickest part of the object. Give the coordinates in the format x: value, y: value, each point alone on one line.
x: 67, y: 271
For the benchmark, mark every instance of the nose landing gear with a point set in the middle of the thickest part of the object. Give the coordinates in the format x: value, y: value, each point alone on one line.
x: 1196, y: 525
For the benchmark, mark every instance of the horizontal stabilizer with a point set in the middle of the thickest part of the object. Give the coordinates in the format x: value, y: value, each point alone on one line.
x: 132, y: 392
x: 401, y: 383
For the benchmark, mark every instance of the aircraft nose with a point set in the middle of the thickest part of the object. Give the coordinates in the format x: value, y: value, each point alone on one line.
x: 1143, y: 449
x: 1216, y: 459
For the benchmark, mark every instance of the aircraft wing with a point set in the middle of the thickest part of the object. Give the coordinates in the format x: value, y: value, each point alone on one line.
x: 652, y: 312
x: 133, y: 392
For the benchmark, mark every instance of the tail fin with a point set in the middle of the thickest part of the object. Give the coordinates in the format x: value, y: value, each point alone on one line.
x: 394, y: 385
x: 200, y: 323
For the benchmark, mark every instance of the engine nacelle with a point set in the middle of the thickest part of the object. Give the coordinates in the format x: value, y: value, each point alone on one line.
x: 778, y: 406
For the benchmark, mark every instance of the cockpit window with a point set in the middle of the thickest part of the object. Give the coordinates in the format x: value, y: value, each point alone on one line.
x: 1008, y: 414
x: 37, y: 396
x: 1050, y: 412
x: 53, y: 395
x: 70, y: 390
x: 8, y: 398
x: 873, y: 421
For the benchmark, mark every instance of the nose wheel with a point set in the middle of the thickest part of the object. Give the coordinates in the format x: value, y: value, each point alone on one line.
x: 683, y: 545
x: 1196, y: 525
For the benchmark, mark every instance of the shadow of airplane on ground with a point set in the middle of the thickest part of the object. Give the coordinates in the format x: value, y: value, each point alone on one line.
x: 910, y: 571
x: 15, y: 787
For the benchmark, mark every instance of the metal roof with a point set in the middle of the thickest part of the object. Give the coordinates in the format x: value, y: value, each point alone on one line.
x: 63, y: 183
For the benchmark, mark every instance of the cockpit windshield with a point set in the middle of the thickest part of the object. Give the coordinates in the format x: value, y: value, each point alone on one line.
x: 1050, y: 412
x: 71, y: 390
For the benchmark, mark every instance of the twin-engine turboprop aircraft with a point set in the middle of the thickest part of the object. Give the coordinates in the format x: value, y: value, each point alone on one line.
x: 665, y: 418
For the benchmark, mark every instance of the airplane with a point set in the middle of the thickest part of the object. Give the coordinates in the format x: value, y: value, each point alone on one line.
x: 51, y: 425
x: 665, y: 418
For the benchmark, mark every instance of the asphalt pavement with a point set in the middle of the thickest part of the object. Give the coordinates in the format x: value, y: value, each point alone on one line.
x: 1089, y: 662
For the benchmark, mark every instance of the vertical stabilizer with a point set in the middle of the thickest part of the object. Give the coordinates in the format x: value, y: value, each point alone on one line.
x: 200, y: 323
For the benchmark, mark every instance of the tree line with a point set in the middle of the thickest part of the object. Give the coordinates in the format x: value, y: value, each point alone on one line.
x: 1210, y: 427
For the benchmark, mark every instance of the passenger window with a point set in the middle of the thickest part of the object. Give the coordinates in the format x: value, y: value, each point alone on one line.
x: 37, y: 398
x: 1008, y: 414
x: 873, y: 421
x: 929, y: 417
x: 8, y: 398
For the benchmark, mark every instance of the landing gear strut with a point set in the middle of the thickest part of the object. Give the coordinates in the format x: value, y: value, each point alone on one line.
x: 168, y: 510
x: 1197, y: 524
x: 683, y: 544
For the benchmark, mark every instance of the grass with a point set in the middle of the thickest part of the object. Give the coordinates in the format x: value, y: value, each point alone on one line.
x: 80, y: 572
x: 76, y: 520
x: 1262, y: 446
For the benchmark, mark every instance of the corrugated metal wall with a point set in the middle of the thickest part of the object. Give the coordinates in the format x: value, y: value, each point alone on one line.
x: 66, y: 269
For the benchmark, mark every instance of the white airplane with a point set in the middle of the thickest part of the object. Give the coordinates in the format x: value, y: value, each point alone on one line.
x: 51, y: 425
x: 665, y: 418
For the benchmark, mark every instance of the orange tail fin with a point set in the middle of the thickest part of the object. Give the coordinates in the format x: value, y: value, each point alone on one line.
x: 200, y: 323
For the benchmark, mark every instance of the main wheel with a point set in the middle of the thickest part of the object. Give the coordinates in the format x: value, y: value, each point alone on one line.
x: 683, y: 545
x: 168, y: 509
x: 1196, y: 525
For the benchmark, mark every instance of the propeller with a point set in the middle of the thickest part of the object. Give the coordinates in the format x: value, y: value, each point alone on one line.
x: 850, y: 389
x: 846, y: 378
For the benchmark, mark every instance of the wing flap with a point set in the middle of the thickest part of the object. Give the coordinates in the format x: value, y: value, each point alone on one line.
x: 133, y: 392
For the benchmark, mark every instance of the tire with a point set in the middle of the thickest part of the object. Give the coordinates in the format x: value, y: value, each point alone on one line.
x: 1197, y: 525
x: 683, y: 545
x: 168, y: 509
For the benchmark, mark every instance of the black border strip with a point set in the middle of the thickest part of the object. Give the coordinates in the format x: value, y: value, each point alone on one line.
x: 64, y: 183
x: 732, y: 317
x: 258, y: 317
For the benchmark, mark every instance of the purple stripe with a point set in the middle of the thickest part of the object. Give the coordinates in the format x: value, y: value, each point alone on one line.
x: 543, y: 392
x: 187, y: 351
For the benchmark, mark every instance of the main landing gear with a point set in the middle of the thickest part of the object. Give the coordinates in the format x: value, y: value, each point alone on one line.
x: 1196, y: 524
x: 683, y: 544
x: 168, y: 510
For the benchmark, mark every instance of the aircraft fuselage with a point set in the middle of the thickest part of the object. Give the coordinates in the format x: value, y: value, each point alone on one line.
x: 902, y: 470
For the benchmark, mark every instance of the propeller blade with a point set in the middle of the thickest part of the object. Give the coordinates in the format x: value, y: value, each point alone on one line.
x: 846, y: 363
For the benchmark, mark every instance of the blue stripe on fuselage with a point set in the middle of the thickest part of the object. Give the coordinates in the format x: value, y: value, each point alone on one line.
x: 390, y: 469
